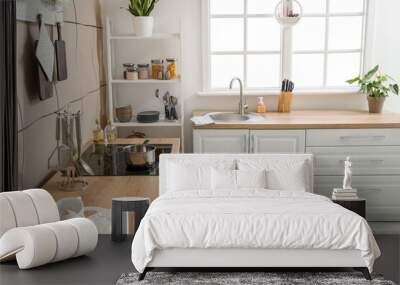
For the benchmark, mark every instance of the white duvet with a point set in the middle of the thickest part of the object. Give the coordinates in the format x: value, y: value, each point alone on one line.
x: 250, y: 219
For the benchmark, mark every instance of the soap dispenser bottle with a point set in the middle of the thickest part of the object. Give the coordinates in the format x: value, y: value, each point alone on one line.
x: 260, y: 105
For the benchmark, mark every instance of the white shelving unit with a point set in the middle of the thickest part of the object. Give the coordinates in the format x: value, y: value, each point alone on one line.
x: 115, y: 82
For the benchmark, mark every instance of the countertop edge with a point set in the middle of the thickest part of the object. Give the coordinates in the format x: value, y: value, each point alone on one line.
x: 312, y: 119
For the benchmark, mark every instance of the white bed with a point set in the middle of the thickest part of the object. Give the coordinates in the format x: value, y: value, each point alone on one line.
x: 202, y: 220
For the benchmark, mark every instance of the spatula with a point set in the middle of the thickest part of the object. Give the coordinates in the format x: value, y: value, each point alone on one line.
x: 61, y: 56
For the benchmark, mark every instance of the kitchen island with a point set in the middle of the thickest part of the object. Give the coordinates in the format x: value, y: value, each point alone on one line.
x: 97, y: 197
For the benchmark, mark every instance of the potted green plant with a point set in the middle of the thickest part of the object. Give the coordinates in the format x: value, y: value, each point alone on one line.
x: 377, y: 87
x: 143, y: 23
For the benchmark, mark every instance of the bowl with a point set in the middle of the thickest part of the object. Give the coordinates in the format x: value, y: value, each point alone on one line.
x: 124, y: 114
x: 148, y: 117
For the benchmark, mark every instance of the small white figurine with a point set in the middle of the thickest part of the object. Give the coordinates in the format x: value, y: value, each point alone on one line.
x: 348, y: 173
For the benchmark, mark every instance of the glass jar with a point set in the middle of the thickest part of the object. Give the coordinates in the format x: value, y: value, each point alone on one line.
x: 143, y: 70
x: 130, y: 72
x: 157, y: 69
x: 171, y: 73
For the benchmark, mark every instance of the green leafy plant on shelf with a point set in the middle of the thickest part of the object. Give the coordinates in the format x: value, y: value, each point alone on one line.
x: 375, y: 84
x: 141, y: 8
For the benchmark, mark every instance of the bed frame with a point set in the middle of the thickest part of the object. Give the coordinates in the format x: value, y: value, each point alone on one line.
x: 249, y: 259
x: 242, y: 259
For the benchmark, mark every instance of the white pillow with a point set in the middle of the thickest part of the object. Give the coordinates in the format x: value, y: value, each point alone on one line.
x: 291, y: 177
x: 183, y: 178
x: 251, y: 178
x: 227, y: 179
x: 187, y: 175
x: 282, y: 174
x: 223, y: 179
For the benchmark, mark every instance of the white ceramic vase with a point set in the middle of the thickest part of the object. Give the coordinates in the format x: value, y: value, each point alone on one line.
x: 143, y: 26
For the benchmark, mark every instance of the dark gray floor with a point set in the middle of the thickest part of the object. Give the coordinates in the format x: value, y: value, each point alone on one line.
x: 103, y: 266
x: 110, y: 260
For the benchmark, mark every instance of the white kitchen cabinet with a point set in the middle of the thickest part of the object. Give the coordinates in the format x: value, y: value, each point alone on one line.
x: 381, y: 192
x: 367, y: 160
x: 353, y: 137
x: 280, y: 141
x: 221, y: 141
x: 375, y: 154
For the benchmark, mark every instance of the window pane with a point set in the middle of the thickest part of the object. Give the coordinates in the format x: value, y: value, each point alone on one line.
x: 224, y: 68
x: 309, y: 34
x: 345, y: 32
x: 313, y: 6
x: 263, y: 34
x: 342, y: 67
x: 346, y: 6
x: 218, y: 7
x: 263, y: 71
x: 261, y: 6
x: 227, y: 34
x: 308, y: 70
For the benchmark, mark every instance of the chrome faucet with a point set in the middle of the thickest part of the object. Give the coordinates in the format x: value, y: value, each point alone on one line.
x: 242, y: 107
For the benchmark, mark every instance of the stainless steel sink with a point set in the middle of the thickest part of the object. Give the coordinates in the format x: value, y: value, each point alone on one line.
x: 229, y: 117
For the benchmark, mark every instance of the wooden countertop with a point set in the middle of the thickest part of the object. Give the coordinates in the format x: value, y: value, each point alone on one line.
x: 175, y: 142
x: 321, y: 119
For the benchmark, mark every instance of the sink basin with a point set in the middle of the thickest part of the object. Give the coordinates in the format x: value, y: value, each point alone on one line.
x: 229, y: 117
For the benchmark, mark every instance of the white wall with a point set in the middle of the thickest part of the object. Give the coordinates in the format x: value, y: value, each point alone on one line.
x: 169, y: 12
x: 386, y: 43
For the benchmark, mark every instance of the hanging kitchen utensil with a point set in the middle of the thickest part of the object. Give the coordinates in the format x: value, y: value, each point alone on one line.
x: 61, y: 56
x: 166, y: 106
x: 45, y: 86
x: 174, y: 113
x: 78, y: 129
x: 45, y: 51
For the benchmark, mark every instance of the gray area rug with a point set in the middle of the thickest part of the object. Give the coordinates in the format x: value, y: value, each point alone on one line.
x: 229, y: 278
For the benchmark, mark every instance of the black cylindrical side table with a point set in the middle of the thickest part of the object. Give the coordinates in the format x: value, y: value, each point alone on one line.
x: 138, y: 205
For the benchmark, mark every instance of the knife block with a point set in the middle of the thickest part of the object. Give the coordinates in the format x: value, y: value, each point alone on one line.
x: 285, y: 102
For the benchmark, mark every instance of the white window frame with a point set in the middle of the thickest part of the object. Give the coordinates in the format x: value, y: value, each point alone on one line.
x: 286, y: 49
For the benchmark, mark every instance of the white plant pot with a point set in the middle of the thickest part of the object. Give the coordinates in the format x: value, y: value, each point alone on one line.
x: 143, y: 26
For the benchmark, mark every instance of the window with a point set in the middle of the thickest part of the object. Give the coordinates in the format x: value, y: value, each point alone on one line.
x: 242, y: 38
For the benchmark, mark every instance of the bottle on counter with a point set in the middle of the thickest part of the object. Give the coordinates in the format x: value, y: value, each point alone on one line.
x: 110, y: 133
x: 98, y: 134
x: 260, y: 105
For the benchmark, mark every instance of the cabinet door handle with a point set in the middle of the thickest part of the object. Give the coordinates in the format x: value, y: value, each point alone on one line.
x: 246, y: 144
x: 252, y: 144
x: 375, y: 161
x: 370, y: 190
x: 362, y: 137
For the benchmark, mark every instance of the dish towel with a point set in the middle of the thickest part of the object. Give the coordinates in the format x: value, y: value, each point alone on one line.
x: 202, y: 120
